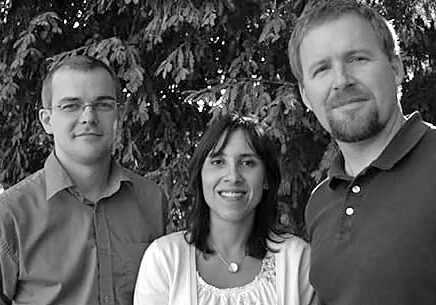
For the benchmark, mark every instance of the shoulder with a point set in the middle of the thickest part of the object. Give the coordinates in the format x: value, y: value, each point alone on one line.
x: 19, y: 205
x: 141, y: 182
x: 429, y: 139
x: 290, y: 243
x: 150, y: 194
x: 318, y: 195
x: 29, y: 190
x: 171, y: 243
x: 317, y: 200
x: 320, y: 186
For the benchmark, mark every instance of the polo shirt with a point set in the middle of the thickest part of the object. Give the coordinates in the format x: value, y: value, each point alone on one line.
x: 373, y: 236
x: 56, y: 247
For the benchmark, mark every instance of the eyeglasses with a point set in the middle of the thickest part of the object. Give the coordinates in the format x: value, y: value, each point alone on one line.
x: 78, y: 107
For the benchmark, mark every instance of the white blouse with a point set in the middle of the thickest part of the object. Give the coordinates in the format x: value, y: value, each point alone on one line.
x: 260, y: 291
x: 168, y: 276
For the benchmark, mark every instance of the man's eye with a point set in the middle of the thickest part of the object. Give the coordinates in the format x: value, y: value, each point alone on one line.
x: 104, y: 105
x: 358, y: 59
x: 319, y: 70
x: 69, y: 107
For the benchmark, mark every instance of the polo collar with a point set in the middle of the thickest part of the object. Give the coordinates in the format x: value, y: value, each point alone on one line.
x: 402, y: 143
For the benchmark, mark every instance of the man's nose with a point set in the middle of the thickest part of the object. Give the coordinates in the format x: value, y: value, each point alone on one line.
x: 88, y: 115
x: 342, y: 76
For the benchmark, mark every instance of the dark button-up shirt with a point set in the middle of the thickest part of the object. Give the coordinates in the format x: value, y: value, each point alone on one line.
x: 56, y: 247
x: 373, y: 236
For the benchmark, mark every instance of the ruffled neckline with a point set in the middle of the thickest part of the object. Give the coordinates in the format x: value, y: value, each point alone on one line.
x: 261, y: 290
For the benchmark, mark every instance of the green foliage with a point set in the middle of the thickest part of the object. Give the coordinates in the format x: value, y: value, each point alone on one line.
x: 181, y: 63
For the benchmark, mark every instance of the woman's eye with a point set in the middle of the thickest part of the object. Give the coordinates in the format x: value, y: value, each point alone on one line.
x: 249, y: 162
x: 216, y: 162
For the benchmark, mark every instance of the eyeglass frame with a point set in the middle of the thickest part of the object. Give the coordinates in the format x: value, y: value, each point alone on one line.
x: 93, y: 105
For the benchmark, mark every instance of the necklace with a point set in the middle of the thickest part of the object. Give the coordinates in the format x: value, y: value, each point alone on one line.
x: 232, y: 267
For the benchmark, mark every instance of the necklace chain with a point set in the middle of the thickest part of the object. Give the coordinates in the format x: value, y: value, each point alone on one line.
x: 232, y: 267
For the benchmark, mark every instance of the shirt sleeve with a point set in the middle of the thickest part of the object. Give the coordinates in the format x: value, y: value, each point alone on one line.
x: 153, y: 281
x: 8, y: 266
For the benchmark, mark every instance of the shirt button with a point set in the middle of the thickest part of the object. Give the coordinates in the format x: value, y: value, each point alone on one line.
x: 106, y: 299
x: 349, y: 211
x: 356, y: 189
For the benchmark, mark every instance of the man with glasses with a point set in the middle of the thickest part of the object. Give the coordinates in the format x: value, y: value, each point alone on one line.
x: 75, y: 231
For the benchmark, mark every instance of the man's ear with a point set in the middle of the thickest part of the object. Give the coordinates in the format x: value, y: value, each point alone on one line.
x: 304, y: 97
x: 398, y: 68
x: 45, y: 119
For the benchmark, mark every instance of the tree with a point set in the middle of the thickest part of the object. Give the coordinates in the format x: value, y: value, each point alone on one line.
x: 181, y: 63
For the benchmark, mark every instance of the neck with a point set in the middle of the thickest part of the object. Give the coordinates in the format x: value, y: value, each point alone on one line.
x: 230, y: 239
x: 91, y: 179
x: 359, y: 155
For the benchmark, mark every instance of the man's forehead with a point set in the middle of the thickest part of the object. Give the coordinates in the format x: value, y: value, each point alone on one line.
x: 324, y: 20
x: 75, y: 70
x: 65, y: 83
x: 356, y: 29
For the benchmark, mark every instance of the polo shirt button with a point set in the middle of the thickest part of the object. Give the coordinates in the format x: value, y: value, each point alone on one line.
x: 349, y: 211
x: 106, y: 299
x: 355, y: 189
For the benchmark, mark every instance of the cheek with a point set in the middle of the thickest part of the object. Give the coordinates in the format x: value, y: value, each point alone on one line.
x: 206, y: 182
x: 317, y: 96
x: 62, y: 127
x: 257, y: 185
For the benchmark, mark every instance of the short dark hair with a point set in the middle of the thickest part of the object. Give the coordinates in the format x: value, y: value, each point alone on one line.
x: 79, y: 63
x: 264, y: 227
x: 318, y: 12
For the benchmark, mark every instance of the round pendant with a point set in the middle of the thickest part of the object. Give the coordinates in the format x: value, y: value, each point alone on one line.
x: 233, y: 267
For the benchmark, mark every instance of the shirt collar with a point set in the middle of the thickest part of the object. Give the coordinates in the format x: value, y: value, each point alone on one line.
x: 57, y: 178
x: 406, y: 138
x: 117, y: 175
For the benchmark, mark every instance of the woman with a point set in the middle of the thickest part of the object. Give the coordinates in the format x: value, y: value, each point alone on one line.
x: 232, y: 253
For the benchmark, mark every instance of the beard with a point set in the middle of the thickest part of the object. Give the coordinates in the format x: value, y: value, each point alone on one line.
x: 354, y: 126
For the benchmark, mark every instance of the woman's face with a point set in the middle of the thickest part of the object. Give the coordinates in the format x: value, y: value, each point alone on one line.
x: 233, y: 180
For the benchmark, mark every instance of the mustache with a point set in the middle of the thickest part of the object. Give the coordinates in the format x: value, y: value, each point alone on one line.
x: 346, y: 96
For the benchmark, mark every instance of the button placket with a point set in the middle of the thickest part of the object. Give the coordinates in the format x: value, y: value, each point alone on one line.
x: 356, y: 189
x: 104, y: 257
x: 353, y: 195
x: 350, y: 210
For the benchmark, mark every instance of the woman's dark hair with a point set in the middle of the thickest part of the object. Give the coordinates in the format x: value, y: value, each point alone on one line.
x: 266, y: 212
